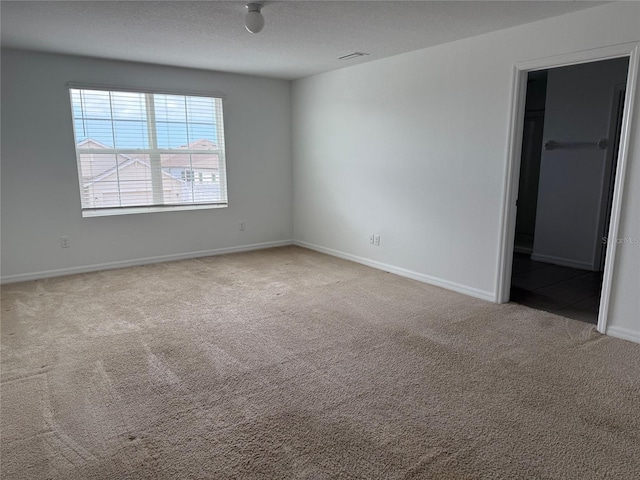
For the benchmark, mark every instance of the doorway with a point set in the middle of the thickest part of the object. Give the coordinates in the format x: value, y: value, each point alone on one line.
x: 544, y: 252
x: 571, y: 132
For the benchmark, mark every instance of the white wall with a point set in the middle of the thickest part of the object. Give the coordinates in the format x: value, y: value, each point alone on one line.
x: 414, y: 147
x: 574, y: 183
x: 40, y: 197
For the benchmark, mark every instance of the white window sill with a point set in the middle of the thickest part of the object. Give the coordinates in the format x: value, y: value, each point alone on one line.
x: 107, y: 212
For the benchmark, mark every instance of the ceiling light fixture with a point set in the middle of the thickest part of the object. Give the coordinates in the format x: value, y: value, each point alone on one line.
x: 254, y: 20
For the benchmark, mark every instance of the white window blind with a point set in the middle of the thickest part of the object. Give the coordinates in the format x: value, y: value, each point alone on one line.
x: 140, y: 151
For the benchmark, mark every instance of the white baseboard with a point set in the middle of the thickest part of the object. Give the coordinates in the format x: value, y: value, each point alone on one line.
x: 23, y: 277
x: 403, y: 272
x: 563, y: 262
x: 624, y: 333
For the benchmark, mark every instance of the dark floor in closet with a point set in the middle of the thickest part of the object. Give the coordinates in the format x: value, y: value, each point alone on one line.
x: 569, y: 292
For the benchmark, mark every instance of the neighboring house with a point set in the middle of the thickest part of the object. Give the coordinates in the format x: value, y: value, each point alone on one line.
x: 114, y: 180
x: 200, y: 171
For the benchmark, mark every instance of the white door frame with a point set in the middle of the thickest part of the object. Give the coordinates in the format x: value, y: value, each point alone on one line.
x: 510, y: 188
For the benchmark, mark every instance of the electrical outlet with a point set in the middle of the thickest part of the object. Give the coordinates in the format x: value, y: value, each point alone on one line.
x: 64, y: 242
x: 371, y: 238
x: 376, y: 240
x: 241, y: 226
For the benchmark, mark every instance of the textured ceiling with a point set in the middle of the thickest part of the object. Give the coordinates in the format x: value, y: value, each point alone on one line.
x: 300, y: 38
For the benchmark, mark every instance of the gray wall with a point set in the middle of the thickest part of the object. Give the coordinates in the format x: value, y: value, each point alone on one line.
x: 414, y: 148
x: 40, y: 197
x: 574, y: 183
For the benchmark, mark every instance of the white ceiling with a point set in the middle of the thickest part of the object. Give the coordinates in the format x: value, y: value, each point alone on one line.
x: 300, y: 38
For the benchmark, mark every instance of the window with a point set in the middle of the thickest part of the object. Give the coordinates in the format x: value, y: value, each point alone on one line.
x: 188, y: 175
x: 140, y: 151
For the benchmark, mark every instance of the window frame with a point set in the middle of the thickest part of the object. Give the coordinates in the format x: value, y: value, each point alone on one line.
x: 220, y: 141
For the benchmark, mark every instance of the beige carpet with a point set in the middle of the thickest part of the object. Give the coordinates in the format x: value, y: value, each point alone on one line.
x: 286, y: 363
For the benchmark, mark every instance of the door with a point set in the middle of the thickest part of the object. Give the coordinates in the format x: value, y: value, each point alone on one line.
x: 610, y: 176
